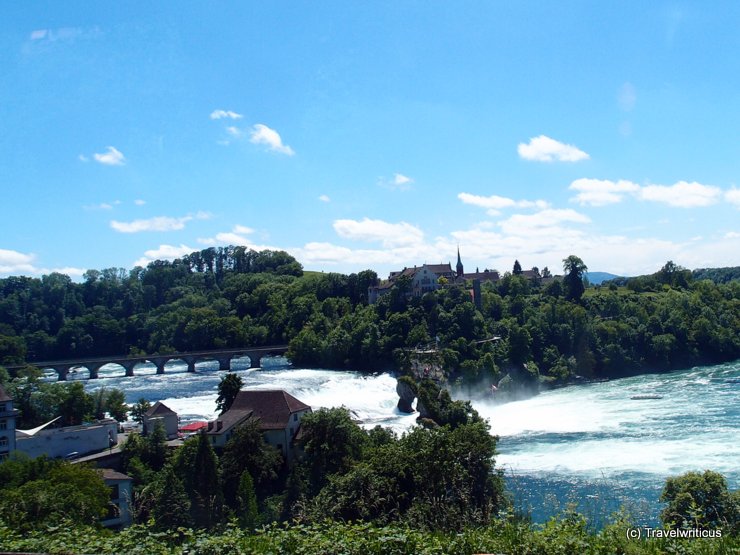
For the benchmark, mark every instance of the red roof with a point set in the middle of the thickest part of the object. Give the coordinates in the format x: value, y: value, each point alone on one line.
x: 193, y: 426
x: 272, y: 407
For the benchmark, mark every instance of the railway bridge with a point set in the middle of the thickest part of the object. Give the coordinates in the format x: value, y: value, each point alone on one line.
x: 129, y: 363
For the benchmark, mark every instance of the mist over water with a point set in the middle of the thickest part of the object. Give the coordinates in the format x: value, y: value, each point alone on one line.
x: 592, y: 445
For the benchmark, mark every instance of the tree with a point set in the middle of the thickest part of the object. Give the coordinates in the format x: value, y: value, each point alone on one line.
x: 574, y: 270
x: 228, y: 389
x: 247, y: 502
x: 332, y: 442
x: 139, y: 408
x: 42, y: 492
x: 517, y: 271
x: 697, y: 500
x: 247, y: 451
x: 171, y: 504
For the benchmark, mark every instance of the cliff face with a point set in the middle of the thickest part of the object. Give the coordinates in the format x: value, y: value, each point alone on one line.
x: 406, y: 394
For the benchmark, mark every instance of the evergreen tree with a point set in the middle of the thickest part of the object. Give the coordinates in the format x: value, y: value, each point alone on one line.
x: 247, y: 502
x: 228, y: 389
x: 171, y: 506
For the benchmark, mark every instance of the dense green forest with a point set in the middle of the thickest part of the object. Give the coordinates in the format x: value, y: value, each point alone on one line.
x: 231, y: 297
x: 432, y: 490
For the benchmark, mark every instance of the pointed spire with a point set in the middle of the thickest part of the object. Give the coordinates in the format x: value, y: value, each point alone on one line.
x: 459, y: 263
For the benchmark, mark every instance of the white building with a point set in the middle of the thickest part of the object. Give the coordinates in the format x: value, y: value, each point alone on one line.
x: 279, y: 415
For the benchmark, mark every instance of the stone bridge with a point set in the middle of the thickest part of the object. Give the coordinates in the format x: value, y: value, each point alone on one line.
x: 223, y: 356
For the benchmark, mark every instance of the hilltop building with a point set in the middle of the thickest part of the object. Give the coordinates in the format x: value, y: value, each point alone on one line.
x: 427, y: 278
x: 279, y: 415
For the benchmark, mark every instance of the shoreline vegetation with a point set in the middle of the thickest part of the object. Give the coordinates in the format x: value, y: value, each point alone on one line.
x: 522, y: 335
x: 434, y: 489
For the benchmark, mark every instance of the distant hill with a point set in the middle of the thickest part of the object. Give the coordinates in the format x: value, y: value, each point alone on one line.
x: 717, y: 275
x: 596, y: 278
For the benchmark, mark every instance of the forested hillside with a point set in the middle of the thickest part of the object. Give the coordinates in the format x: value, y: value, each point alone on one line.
x: 231, y: 297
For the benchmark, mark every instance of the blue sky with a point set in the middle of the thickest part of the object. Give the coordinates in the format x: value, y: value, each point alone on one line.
x: 370, y: 135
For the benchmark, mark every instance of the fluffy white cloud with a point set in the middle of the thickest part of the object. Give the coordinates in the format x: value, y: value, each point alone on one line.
x: 263, y: 135
x: 682, y: 194
x: 494, y: 204
x: 388, y: 234
x: 220, y: 114
x: 541, y: 222
x: 733, y: 196
x: 158, y: 223
x: 545, y: 149
x: 234, y: 131
x: 163, y: 252
x: 237, y: 236
x: 139, y: 202
x: 324, y: 198
x: 15, y: 263
x: 112, y: 157
x: 600, y: 192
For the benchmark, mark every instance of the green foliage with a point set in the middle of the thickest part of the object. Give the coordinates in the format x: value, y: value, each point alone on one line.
x: 247, y: 502
x: 333, y: 442
x: 139, y: 409
x: 574, y: 270
x: 38, y: 493
x: 228, y: 388
x: 700, y: 500
x: 172, y: 507
x: 247, y: 451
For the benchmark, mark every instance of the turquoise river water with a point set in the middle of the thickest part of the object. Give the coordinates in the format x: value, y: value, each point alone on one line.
x: 592, y: 445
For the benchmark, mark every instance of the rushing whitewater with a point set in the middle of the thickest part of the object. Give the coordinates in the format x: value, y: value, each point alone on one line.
x: 590, y: 444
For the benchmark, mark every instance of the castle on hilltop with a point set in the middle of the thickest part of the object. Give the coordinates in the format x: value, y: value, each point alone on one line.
x: 430, y: 277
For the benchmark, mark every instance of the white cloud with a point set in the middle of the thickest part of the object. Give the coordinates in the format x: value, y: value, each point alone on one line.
x: 543, y: 222
x: 237, y: 236
x: 627, y: 97
x: 139, y: 202
x: 733, y: 196
x: 545, y: 149
x: 600, y: 192
x: 113, y: 157
x: 494, y: 203
x: 220, y: 114
x: 399, y: 182
x: 388, y: 234
x: 234, y: 131
x: 164, y: 252
x: 263, y: 135
x: 682, y: 194
x: 324, y: 198
x: 400, y: 179
x: 18, y: 263
x: 158, y: 223
x: 732, y: 235
x: 83, y: 158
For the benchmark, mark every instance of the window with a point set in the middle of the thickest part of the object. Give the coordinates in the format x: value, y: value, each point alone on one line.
x: 3, y: 424
x: 3, y: 441
x: 295, y: 417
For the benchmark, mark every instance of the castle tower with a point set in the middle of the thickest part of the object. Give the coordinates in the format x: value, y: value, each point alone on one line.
x: 459, y: 263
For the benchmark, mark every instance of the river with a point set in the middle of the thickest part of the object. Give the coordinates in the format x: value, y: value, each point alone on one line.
x: 592, y: 445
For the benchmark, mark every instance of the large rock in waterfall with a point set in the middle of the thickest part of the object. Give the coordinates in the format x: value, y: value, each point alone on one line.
x: 406, y: 393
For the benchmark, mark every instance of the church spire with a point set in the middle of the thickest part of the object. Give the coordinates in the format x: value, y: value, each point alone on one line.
x: 459, y: 263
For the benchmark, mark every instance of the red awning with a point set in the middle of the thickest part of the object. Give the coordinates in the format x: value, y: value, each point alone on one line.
x: 193, y: 426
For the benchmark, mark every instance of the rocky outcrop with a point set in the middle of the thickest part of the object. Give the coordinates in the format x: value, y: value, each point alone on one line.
x: 406, y: 393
